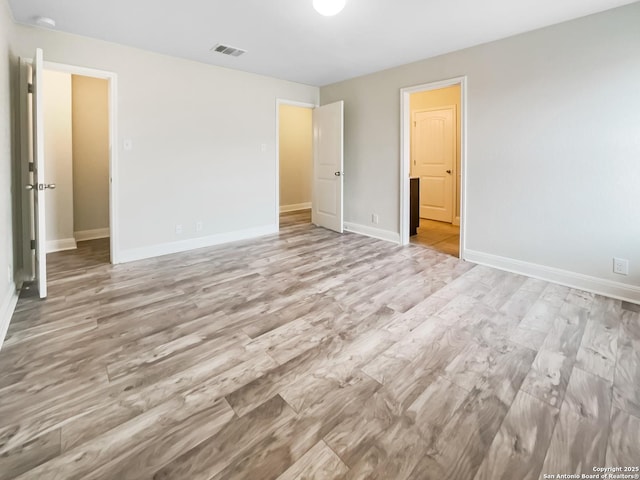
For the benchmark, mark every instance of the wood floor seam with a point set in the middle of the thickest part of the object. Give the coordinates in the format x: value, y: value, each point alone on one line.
x: 313, y: 355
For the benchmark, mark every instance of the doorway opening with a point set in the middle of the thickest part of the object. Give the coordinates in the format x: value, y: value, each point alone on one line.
x: 79, y: 178
x: 294, y: 154
x: 76, y: 145
x: 432, y: 167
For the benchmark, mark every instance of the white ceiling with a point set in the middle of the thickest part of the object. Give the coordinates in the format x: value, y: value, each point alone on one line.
x: 287, y: 39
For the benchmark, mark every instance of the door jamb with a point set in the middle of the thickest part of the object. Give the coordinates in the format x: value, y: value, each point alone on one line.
x: 280, y: 101
x: 26, y: 156
x: 405, y: 154
x: 112, y: 79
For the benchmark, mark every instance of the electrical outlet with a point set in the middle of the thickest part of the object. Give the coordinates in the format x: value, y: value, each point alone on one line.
x: 199, y: 226
x: 375, y: 219
x: 621, y: 266
x: 178, y: 229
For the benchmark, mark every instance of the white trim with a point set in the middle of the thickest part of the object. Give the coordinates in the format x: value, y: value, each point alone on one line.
x: 141, y: 253
x: 280, y: 101
x: 83, y: 235
x: 61, y: 245
x: 112, y: 78
x: 295, y: 207
x: 405, y: 155
x: 372, y: 232
x: 7, y: 307
x: 601, y: 286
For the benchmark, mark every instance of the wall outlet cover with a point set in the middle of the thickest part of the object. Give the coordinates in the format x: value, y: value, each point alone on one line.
x: 621, y: 266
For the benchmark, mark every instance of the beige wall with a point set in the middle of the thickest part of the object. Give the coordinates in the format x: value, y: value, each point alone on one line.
x: 90, y: 153
x: 296, y: 156
x: 442, y: 97
x: 553, y: 148
x: 58, y: 159
x: 197, y: 133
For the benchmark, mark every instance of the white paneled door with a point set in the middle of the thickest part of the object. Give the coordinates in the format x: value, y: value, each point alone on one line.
x: 39, y: 186
x: 328, y: 164
x: 433, y: 159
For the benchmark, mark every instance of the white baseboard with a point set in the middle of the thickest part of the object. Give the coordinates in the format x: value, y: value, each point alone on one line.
x: 601, y: 286
x: 372, y: 232
x: 7, y: 306
x: 141, y: 253
x: 83, y: 235
x: 295, y: 207
x: 60, y: 245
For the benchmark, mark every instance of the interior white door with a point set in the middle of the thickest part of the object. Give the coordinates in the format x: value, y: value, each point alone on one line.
x: 434, y: 153
x: 39, y: 186
x: 328, y: 164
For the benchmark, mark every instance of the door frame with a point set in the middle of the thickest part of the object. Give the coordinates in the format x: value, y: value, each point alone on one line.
x: 112, y: 79
x: 26, y: 155
x: 281, y: 101
x: 405, y: 153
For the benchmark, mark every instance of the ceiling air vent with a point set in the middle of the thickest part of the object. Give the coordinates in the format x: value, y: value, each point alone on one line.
x: 227, y: 50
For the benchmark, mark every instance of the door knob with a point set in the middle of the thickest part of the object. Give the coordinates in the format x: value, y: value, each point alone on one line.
x: 40, y: 186
x: 449, y: 172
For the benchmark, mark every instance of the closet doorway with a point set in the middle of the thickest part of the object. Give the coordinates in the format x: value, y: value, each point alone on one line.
x: 295, y: 162
x: 77, y: 161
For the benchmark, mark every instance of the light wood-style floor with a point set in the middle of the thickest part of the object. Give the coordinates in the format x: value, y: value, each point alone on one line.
x: 439, y: 236
x: 314, y: 355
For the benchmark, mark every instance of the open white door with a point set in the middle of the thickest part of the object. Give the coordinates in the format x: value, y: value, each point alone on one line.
x: 328, y: 164
x: 38, y: 186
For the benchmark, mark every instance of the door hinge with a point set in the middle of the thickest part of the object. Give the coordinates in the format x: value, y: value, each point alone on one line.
x: 33, y: 244
x: 30, y: 87
x: 31, y: 167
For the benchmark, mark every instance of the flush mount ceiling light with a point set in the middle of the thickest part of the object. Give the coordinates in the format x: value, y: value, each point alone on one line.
x: 46, y: 22
x: 329, y: 7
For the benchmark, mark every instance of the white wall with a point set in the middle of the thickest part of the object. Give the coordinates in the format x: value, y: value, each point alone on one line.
x: 8, y: 295
x: 296, y: 157
x: 553, y: 170
x: 196, y: 132
x: 58, y: 160
x: 90, y: 120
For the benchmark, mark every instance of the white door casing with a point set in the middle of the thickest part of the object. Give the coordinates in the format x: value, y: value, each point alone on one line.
x: 39, y: 186
x: 433, y: 158
x: 328, y: 166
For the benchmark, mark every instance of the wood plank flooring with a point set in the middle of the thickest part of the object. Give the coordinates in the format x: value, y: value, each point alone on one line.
x: 313, y: 355
x: 439, y: 236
